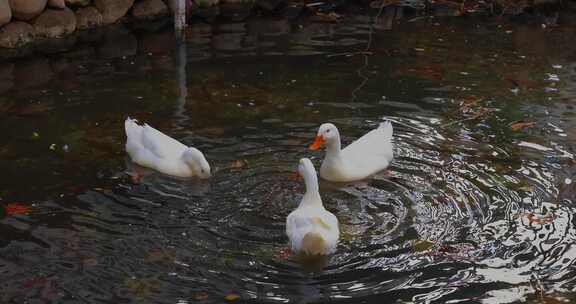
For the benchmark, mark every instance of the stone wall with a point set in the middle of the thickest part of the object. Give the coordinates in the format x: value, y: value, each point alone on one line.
x: 23, y: 21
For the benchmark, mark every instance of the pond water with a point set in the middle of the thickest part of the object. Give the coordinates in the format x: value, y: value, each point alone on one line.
x: 477, y: 207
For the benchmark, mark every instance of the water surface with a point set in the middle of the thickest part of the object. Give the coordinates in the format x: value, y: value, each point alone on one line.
x: 476, y: 208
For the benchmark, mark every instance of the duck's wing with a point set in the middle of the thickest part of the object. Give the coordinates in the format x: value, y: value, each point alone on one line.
x: 374, y: 147
x: 331, y: 220
x: 160, y: 144
x: 326, y: 221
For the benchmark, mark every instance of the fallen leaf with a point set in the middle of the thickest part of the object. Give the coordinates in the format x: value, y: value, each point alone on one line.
x: 518, y: 125
x: 539, y: 219
x: 239, y: 163
x: 327, y: 17
x: 16, y: 208
x: 421, y: 245
x: 232, y: 297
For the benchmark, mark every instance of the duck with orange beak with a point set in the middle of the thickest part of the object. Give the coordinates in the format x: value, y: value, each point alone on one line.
x: 366, y: 156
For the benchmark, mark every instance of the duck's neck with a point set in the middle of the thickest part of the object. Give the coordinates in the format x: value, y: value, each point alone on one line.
x: 312, y: 195
x: 333, y: 148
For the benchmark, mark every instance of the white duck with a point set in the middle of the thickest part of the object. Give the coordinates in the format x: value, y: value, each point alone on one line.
x: 151, y: 148
x: 368, y: 155
x: 312, y: 230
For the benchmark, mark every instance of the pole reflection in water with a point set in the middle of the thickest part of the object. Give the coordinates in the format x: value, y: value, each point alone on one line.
x: 181, y: 80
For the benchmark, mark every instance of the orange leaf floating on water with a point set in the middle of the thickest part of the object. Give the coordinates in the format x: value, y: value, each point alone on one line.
x: 239, y: 163
x: 232, y: 297
x: 539, y: 219
x: 326, y: 17
x: 518, y: 125
x: 17, y: 208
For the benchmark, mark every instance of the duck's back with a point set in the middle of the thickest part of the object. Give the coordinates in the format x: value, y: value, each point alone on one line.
x: 312, y: 231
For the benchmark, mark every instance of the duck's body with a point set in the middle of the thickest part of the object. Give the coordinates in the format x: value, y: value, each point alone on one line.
x: 311, y: 228
x: 368, y: 155
x: 151, y: 148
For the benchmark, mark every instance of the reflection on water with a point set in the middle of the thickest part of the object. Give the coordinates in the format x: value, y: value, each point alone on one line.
x: 477, y: 206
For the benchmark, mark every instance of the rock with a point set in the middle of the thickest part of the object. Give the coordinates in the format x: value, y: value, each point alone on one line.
x: 15, y: 34
x: 5, y: 12
x: 57, y: 3
x: 77, y: 3
x: 27, y: 9
x: 88, y: 17
x: 147, y: 9
x: 55, y: 23
x: 113, y: 10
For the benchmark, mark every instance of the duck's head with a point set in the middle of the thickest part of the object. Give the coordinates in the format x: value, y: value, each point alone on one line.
x: 197, y: 162
x: 305, y: 167
x: 327, y: 133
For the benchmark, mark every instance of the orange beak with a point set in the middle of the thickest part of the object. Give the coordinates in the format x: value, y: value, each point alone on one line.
x: 318, y: 142
x: 296, y: 176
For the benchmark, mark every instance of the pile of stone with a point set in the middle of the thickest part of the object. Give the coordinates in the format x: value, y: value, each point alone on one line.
x: 22, y: 21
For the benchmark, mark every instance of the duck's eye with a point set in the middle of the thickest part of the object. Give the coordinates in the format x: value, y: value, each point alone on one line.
x: 328, y: 131
x: 202, y: 170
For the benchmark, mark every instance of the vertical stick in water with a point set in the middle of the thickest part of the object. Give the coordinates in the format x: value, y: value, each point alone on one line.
x: 179, y: 16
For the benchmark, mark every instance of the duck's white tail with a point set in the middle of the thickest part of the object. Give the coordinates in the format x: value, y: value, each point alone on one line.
x: 387, y: 128
x: 133, y: 129
x: 313, y: 244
